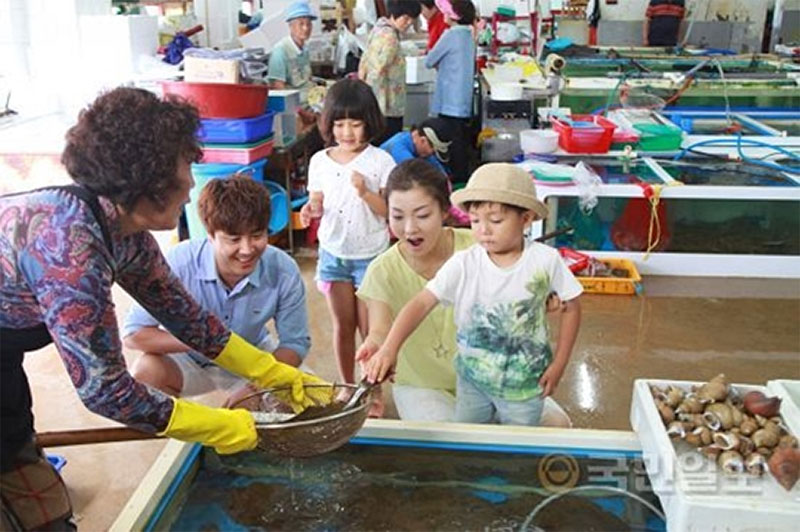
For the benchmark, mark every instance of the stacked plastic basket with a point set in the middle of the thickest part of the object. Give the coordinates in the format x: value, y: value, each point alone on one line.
x: 235, y: 138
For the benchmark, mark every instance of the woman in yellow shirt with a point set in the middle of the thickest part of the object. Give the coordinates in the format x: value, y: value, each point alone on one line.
x: 425, y: 380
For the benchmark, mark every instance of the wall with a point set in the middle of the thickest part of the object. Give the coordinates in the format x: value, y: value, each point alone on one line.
x: 274, y: 28
x: 41, y: 53
x: 737, y: 24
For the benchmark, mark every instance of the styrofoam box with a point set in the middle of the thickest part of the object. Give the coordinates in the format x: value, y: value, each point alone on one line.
x: 416, y: 71
x: 280, y: 100
x: 789, y: 391
x: 694, y: 492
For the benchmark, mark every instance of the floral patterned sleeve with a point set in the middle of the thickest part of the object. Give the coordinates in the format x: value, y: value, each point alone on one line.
x: 145, y: 274
x: 386, y: 49
x: 382, y: 48
x: 57, y: 270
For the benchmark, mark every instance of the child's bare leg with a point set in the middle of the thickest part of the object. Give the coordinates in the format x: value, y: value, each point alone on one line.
x: 363, y: 324
x: 378, y: 401
x: 341, y: 300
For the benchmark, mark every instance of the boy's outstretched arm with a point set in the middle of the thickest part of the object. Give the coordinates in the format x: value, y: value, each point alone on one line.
x: 409, y: 318
x: 567, y: 333
x: 379, y: 318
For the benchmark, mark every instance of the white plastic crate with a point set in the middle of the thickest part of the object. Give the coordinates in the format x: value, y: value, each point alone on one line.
x: 416, y: 71
x: 695, y: 494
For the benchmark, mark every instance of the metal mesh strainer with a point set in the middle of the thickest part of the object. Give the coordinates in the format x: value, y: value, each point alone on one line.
x: 315, y: 431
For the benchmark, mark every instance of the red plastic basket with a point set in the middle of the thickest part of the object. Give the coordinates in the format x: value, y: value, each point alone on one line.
x: 595, y: 137
x: 221, y: 100
x: 575, y: 260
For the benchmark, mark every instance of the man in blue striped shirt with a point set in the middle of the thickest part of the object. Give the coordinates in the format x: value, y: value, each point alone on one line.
x: 237, y: 276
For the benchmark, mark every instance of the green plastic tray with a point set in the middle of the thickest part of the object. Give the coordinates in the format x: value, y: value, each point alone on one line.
x: 658, y: 137
x: 238, y: 146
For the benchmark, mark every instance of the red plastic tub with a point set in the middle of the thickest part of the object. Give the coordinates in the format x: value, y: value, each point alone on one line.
x: 586, y: 134
x: 221, y: 100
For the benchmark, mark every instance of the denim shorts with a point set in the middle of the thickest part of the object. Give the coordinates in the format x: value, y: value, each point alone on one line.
x: 473, y: 405
x: 332, y: 269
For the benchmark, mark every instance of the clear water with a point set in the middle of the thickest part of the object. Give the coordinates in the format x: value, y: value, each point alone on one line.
x: 625, y: 174
x: 722, y: 226
x: 728, y: 174
x: 377, y: 487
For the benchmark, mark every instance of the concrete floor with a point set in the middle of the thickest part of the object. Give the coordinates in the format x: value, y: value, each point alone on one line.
x: 747, y: 329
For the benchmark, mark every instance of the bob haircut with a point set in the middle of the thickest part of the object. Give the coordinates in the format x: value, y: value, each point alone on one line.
x: 465, y: 10
x: 127, y: 144
x: 419, y: 173
x: 237, y: 205
x: 354, y: 99
x: 398, y: 8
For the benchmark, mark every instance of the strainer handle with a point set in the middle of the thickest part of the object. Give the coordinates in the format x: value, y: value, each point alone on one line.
x: 62, y: 438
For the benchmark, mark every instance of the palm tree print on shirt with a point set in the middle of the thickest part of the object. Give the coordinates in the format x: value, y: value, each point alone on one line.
x: 505, y: 347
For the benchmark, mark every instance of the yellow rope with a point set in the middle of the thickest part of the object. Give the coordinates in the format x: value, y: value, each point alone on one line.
x: 655, y: 223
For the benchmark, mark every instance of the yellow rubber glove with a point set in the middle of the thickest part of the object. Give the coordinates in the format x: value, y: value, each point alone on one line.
x: 265, y: 371
x: 227, y: 431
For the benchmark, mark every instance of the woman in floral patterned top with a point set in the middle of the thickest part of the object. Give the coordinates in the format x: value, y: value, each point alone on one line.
x: 61, y: 250
x: 383, y: 66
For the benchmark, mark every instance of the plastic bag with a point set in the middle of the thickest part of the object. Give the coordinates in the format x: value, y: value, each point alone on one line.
x: 588, y: 231
x: 507, y: 33
x: 346, y: 43
x: 588, y: 183
x: 643, y: 224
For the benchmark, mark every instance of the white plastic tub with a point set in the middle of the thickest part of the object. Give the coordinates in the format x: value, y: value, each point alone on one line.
x: 505, y: 92
x: 538, y: 140
x: 695, y: 494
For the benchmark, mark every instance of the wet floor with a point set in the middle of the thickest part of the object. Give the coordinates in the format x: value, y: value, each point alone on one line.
x: 751, y: 340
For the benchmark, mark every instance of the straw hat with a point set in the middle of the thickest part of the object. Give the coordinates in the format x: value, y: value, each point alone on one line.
x: 501, y: 183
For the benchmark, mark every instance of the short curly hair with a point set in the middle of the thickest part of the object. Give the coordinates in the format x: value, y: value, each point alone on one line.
x: 237, y: 205
x: 127, y: 144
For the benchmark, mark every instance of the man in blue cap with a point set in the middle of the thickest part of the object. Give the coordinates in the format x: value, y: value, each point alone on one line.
x: 289, y: 63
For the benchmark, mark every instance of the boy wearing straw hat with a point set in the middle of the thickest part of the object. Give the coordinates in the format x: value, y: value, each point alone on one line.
x: 498, y: 287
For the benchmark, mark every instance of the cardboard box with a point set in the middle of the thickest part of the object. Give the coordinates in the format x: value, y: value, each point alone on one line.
x: 203, y: 70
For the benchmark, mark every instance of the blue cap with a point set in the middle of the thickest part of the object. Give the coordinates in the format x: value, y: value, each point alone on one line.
x: 300, y: 9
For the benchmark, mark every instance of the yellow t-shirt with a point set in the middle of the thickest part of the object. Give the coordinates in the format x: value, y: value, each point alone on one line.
x: 426, y: 359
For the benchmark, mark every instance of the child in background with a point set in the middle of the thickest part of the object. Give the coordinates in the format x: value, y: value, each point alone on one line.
x: 383, y: 66
x: 346, y: 182
x: 499, y: 288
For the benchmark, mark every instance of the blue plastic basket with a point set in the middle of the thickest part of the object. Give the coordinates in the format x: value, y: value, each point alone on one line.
x: 236, y: 131
x: 279, y: 207
x: 57, y: 461
x: 202, y: 174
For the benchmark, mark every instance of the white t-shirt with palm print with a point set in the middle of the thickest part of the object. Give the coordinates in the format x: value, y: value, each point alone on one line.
x: 500, y: 315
